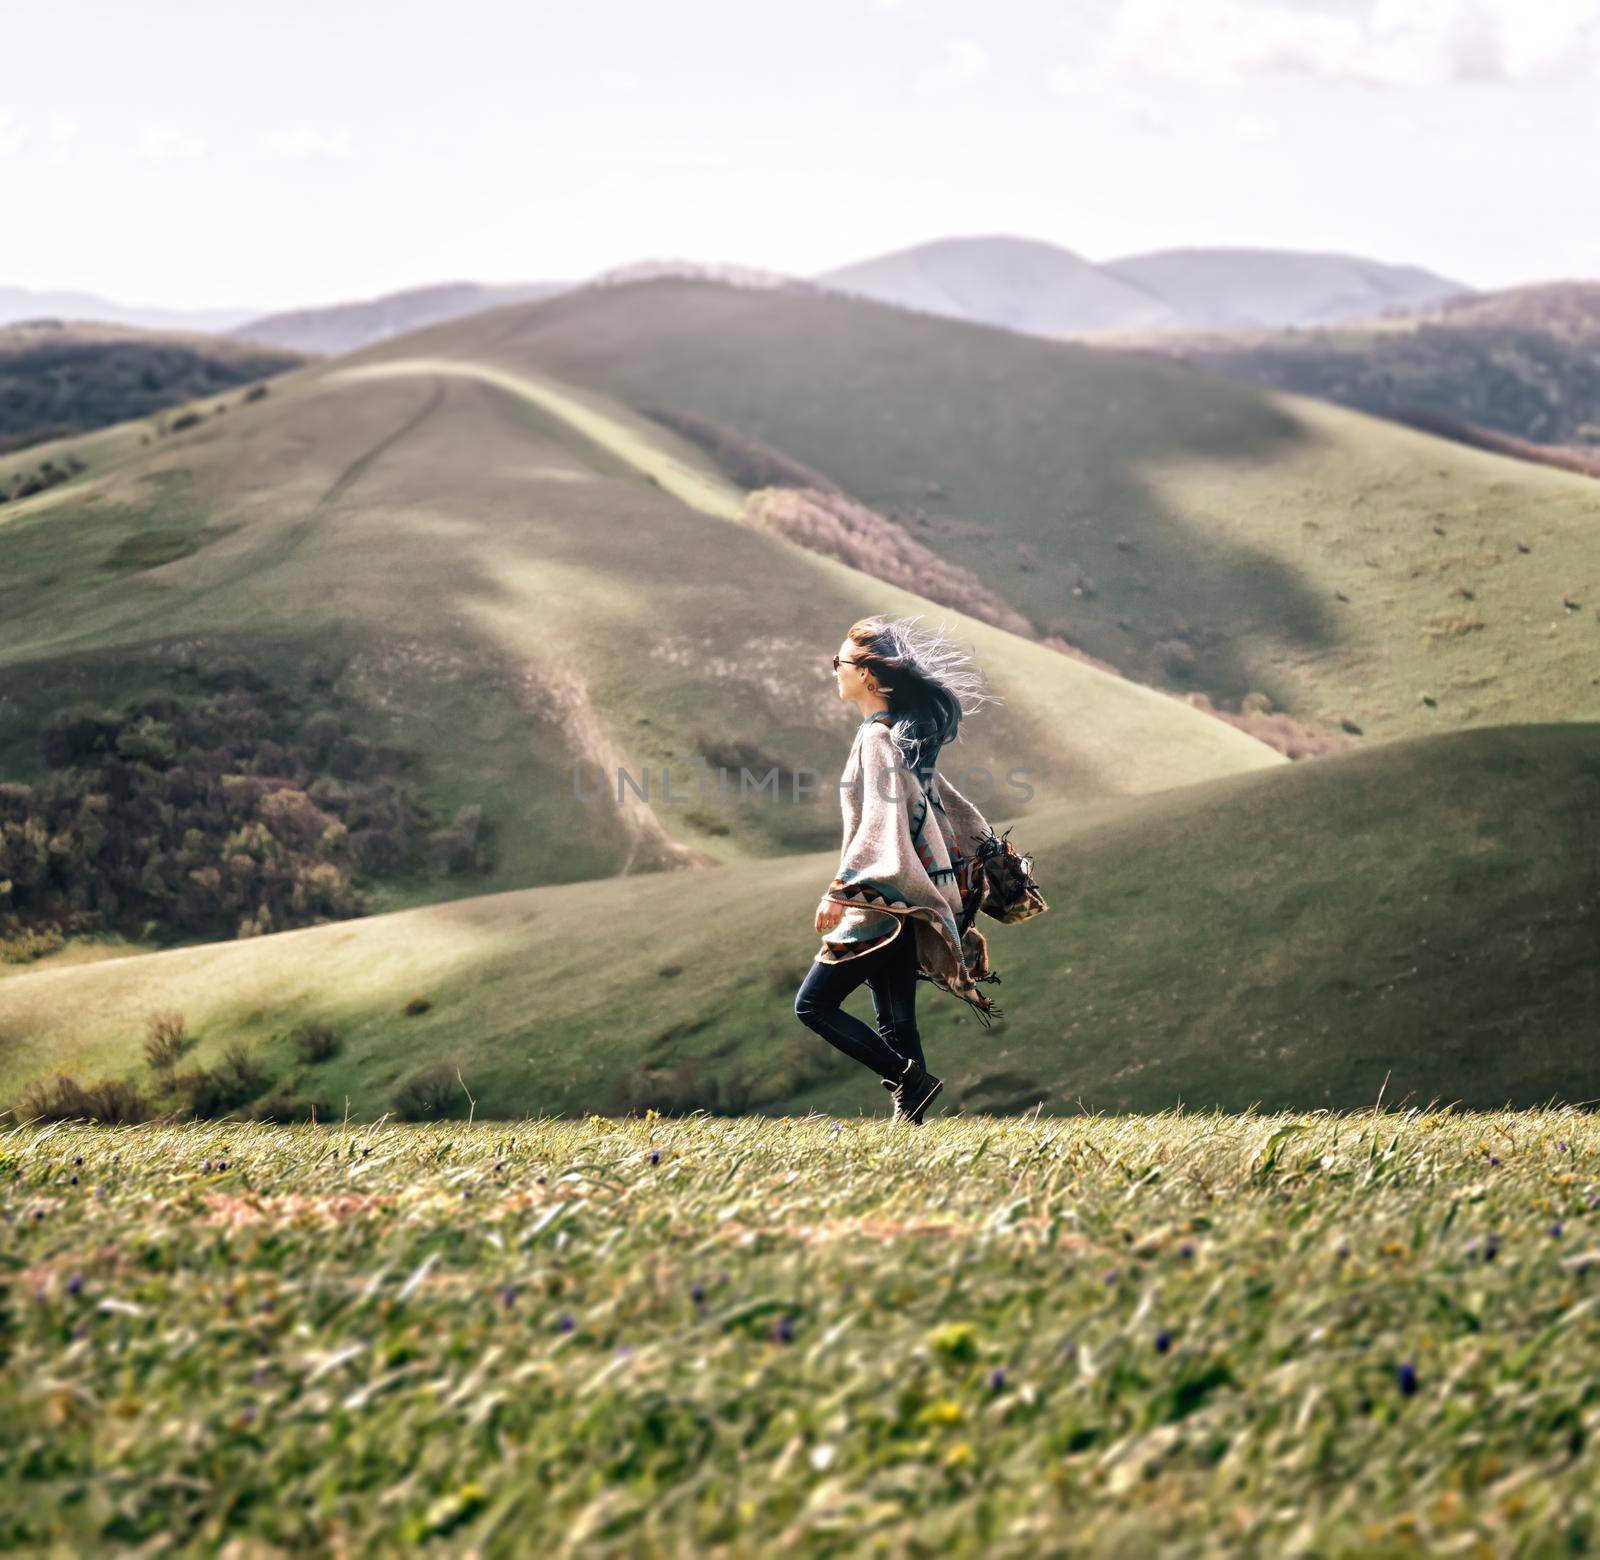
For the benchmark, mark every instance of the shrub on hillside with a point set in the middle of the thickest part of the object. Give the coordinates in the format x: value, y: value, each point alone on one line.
x: 113, y: 1100
x: 215, y: 1091
x: 282, y: 1104
x: 207, y: 814
x: 166, y: 1039
x: 428, y: 1093
x: 314, y: 1043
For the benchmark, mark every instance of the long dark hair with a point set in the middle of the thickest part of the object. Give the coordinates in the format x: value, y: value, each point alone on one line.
x: 931, y: 683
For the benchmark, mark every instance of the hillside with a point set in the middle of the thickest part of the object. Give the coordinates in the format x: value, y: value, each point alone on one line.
x: 1524, y: 363
x: 507, y: 579
x: 1198, y: 534
x: 1015, y: 283
x: 1226, y: 288
x: 57, y: 379
x: 1419, y: 919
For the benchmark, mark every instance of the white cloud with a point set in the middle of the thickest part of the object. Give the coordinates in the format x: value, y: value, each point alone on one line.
x: 169, y: 143
x: 308, y: 141
x: 1396, y: 43
x: 960, y: 60
x: 11, y: 138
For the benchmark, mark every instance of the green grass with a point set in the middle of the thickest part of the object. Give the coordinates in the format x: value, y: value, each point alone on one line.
x: 1318, y: 1334
x: 1198, y: 508
x: 1420, y: 916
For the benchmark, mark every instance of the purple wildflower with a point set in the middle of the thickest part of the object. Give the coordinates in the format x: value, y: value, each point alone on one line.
x: 783, y: 1330
x: 1186, y: 1250
x: 1555, y: 1230
x: 72, y: 1181
x: 1491, y: 1246
x: 508, y: 1295
x: 655, y: 1156
x: 1406, y: 1378
x: 1163, y: 1342
x: 206, y: 1167
x: 997, y: 1379
x: 567, y: 1322
x: 698, y: 1295
x: 1494, y: 1159
x: 78, y: 1160
x: 75, y: 1284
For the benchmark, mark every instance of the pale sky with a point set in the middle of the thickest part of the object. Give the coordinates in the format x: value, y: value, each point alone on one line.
x: 291, y: 152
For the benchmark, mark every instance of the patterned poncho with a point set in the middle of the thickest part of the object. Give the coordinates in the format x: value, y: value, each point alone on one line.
x: 909, y: 855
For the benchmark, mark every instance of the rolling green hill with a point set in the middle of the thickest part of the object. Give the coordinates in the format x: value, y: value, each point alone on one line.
x: 509, y: 577
x: 1196, y: 533
x: 1420, y: 917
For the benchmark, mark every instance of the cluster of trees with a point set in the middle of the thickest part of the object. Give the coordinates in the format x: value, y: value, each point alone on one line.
x: 211, y: 814
x: 69, y: 379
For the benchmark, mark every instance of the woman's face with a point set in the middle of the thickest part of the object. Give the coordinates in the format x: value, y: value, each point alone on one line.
x: 852, y: 681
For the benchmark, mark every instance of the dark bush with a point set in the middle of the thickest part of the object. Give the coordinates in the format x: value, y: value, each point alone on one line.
x: 429, y: 1093
x: 415, y: 1006
x: 63, y: 1098
x: 282, y: 1105
x: 314, y: 1043
x: 166, y: 1039
x: 207, y: 1092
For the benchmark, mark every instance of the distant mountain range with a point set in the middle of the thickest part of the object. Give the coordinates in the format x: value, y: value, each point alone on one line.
x: 1045, y: 290
x: 23, y: 303
x: 1018, y: 284
x: 345, y: 327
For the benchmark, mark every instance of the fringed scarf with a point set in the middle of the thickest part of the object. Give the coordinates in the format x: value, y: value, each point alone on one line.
x: 910, y: 854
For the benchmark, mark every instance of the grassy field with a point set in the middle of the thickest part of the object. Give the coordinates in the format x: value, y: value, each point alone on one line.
x: 1289, y: 1335
x: 1295, y: 548
x: 1421, y: 913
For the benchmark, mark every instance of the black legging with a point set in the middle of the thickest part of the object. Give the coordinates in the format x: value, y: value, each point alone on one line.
x: 892, y: 974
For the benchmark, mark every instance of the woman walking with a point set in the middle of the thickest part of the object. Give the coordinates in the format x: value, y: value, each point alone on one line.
x: 909, y: 881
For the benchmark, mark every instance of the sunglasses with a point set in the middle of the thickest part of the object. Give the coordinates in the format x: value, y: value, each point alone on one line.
x: 840, y: 660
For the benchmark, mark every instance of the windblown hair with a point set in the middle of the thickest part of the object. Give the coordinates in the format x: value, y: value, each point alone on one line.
x: 931, y: 684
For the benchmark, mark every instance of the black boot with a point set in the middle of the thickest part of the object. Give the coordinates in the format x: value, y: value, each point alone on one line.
x: 913, y: 1090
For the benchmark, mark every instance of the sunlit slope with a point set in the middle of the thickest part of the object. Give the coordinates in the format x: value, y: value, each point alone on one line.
x: 514, y: 579
x: 1154, y: 515
x: 1420, y: 917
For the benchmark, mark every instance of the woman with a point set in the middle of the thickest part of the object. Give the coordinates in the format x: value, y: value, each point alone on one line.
x: 908, y: 883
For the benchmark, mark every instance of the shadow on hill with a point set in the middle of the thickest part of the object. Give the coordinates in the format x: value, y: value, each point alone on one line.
x: 1038, y: 465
